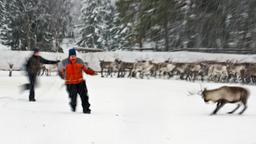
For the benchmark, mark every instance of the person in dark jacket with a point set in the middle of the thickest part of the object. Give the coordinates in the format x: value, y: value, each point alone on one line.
x: 32, y: 66
x: 71, y: 70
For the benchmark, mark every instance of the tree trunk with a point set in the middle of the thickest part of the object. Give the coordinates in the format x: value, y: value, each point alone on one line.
x: 166, y: 36
x: 28, y: 34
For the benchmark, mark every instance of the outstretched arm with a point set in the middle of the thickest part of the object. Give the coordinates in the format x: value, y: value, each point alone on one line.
x: 45, y: 61
x: 89, y: 71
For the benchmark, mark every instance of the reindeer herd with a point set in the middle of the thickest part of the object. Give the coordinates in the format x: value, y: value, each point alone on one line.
x: 204, y: 70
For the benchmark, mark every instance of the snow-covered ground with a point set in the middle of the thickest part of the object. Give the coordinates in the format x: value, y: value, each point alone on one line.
x: 124, y: 111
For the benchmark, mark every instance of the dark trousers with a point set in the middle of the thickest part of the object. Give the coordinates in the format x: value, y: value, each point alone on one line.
x: 81, y: 89
x: 31, y: 86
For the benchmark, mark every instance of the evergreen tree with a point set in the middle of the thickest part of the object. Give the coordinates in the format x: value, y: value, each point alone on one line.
x: 2, y: 16
x: 121, y: 34
x: 152, y: 21
x: 2, y: 11
x: 126, y: 22
x: 108, y: 30
x: 59, y: 21
x: 35, y: 23
x: 19, y: 17
x: 93, y: 30
x: 251, y: 26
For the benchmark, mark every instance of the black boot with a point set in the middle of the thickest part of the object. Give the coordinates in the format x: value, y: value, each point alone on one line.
x: 73, y: 108
x: 86, y: 111
x: 32, y: 100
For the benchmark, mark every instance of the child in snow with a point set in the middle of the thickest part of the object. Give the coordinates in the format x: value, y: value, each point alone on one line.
x: 71, y: 71
x: 32, y: 68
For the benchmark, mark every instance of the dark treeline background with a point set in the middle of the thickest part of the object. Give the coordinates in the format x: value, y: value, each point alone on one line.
x: 26, y: 24
x: 162, y: 25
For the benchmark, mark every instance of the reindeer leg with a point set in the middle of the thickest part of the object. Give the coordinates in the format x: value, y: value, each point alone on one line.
x: 241, y: 112
x: 118, y: 73
x: 111, y: 72
x: 234, y: 109
x: 216, y: 109
x: 108, y: 72
x: 193, y: 76
x: 219, y: 105
x: 244, y: 101
x: 202, y: 76
x: 101, y: 72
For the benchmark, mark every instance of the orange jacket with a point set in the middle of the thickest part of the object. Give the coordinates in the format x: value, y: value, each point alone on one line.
x: 72, y: 71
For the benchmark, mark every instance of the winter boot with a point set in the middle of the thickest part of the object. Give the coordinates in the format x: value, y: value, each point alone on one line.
x: 73, y: 108
x: 32, y: 100
x: 86, y: 111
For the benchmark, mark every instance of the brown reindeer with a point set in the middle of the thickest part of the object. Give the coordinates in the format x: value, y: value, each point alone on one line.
x: 218, y: 72
x: 124, y: 67
x: 181, y: 69
x: 144, y: 68
x: 249, y: 73
x: 107, y: 67
x: 164, y: 69
x: 193, y: 70
x: 227, y: 94
x: 160, y: 69
x: 235, y: 71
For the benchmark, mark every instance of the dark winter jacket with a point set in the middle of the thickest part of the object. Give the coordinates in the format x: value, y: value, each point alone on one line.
x: 33, y: 64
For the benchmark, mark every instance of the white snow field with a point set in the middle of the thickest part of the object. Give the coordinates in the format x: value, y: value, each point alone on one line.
x: 124, y: 111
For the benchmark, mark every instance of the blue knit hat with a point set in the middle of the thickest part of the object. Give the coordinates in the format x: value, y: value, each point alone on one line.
x: 71, y: 52
x: 35, y: 50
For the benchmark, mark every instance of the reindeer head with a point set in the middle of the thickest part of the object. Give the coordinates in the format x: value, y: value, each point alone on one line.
x: 196, y: 92
x: 118, y: 61
x: 204, y: 95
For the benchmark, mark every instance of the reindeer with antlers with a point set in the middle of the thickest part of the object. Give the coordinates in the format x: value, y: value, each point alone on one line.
x: 227, y: 94
x: 224, y: 95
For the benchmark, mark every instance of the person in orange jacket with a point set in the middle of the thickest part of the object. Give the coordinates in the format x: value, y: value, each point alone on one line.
x: 71, y: 70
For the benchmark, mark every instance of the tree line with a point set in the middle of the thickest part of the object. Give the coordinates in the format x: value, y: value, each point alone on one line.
x: 178, y: 24
x: 163, y: 25
x: 26, y: 24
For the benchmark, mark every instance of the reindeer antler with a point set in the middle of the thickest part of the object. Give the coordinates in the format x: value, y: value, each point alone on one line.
x: 191, y: 93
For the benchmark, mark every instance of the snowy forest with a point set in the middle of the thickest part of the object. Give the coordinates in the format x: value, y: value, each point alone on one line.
x: 162, y: 25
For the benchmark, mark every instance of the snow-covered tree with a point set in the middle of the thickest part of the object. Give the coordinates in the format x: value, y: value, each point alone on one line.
x: 2, y: 11
x: 97, y: 18
x: 35, y: 23
x: 59, y: 21
x: 125, y: 21
x: 18, y: 23
x: 121, y: 34
x: 108, y: 33
x: 2, y: 16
